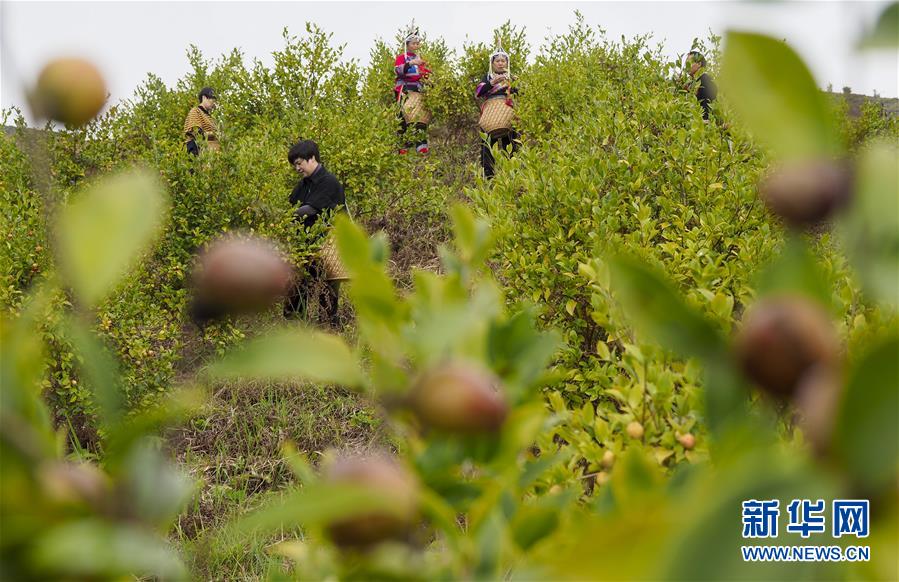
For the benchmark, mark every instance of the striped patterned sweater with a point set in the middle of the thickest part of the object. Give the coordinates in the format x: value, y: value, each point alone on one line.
x: 199, y: 120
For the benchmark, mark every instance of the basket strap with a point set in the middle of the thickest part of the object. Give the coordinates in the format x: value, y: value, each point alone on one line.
x: 348, y: 211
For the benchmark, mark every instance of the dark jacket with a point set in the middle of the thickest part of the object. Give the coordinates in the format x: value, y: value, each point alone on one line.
x: 485, y: 90
x: 316, y: 193
x: 706, y: 93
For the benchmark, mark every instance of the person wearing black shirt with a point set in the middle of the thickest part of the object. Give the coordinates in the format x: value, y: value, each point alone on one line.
x: 496, y: 84
x: 318, y: 191
x: 707, y: 91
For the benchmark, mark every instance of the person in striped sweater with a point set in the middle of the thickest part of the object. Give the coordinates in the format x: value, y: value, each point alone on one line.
x: 410, y: 71
x: 496, y: 84
x: 199, y: 121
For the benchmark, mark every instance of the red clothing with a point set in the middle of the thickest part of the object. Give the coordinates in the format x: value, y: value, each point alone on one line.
x: 408, y: 76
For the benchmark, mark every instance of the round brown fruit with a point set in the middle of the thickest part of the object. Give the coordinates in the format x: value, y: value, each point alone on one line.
x: 781, y: 339
x: 806, y: 193
x: 384, y: 476
x: 688, y: 441
x: 241, y: 274
x: 608, y: 459
x: 69, y: 90
x: 635, y: 430
x: 459, y: 398
x: 602, y: 478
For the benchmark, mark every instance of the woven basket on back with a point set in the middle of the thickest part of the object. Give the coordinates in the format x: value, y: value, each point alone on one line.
x: 496, y: 117
x: 334, y: 267
x: 414, y: 110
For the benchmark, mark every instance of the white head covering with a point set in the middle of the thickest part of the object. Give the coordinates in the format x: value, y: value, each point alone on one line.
x: 499, y: 52
x: 412, y: 34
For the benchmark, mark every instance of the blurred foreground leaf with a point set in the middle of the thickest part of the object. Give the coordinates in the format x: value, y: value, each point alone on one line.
x: 100, y: 369
x: 370, y: 288
x: 292, y: 354
x: 705, y: 544
x: 102, y: 232
x: 156, y: 489
x: 776, y: 95
x: 473, y: 236
x: 867, y: 434
x: 885, y: 33
x: 22, y: 365
x: 658, y: 309
x: 795, y: 271
x: 871, y: 227
x: 534, y: 522
x: 98, y: 550
x: 317, y: 505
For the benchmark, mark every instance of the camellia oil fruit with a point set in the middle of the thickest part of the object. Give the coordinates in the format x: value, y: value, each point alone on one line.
x: 634, y: 430
x: 70, y: 90
x: 382, y: 475
x: 240, y: 274
x: 782, y: 338
x: 459, y: 398
x: 808, y: 192
x: 688, y: 441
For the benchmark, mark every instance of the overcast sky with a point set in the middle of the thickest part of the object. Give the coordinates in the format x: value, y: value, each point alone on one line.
x: 127, y: 40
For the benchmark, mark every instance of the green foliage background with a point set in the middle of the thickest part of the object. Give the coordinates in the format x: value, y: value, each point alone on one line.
x: 616, y: 158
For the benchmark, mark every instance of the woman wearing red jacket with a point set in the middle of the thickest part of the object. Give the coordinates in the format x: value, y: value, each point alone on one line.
x: 411, y: 70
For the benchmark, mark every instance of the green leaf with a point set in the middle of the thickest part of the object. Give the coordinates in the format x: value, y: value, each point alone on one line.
x: 23, y: 361
x: 635, y: 478
x: 372, y: 291
x: 536, y: 468
x: 534, y: 522
x: 726, y: 395
x: 660, y: 311
x: 156, y: 490
x: 870, y: 229
x: 516, y: 349
x: 885, y: 33
x: 95, y: 549
x: 866, y: 436
x: 292, y: 354
x: 773, y: 91
x: 795, y: 270
x: 602, y: 350
x: 491, y: 539
x: 472, y: 235
x: 176, y: 406
x: 100, y: 369
x: 316, y: 505
x: 104, y: 230
x: 705, y: 541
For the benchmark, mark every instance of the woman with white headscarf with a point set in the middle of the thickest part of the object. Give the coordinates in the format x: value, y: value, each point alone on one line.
x: 411, y: 70
x: 496, y: 90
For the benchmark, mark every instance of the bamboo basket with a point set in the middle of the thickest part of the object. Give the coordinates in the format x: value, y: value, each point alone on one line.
x: 496, y: 117
x: 414, y: 110
x: 334, y: 267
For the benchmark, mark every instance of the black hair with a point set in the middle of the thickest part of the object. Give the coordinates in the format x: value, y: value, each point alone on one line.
x: 696, y: 56
x: 305, y: 149
x: 206, y: 92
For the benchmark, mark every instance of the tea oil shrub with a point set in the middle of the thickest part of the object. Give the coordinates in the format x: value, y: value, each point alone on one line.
x: 562, y: 388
